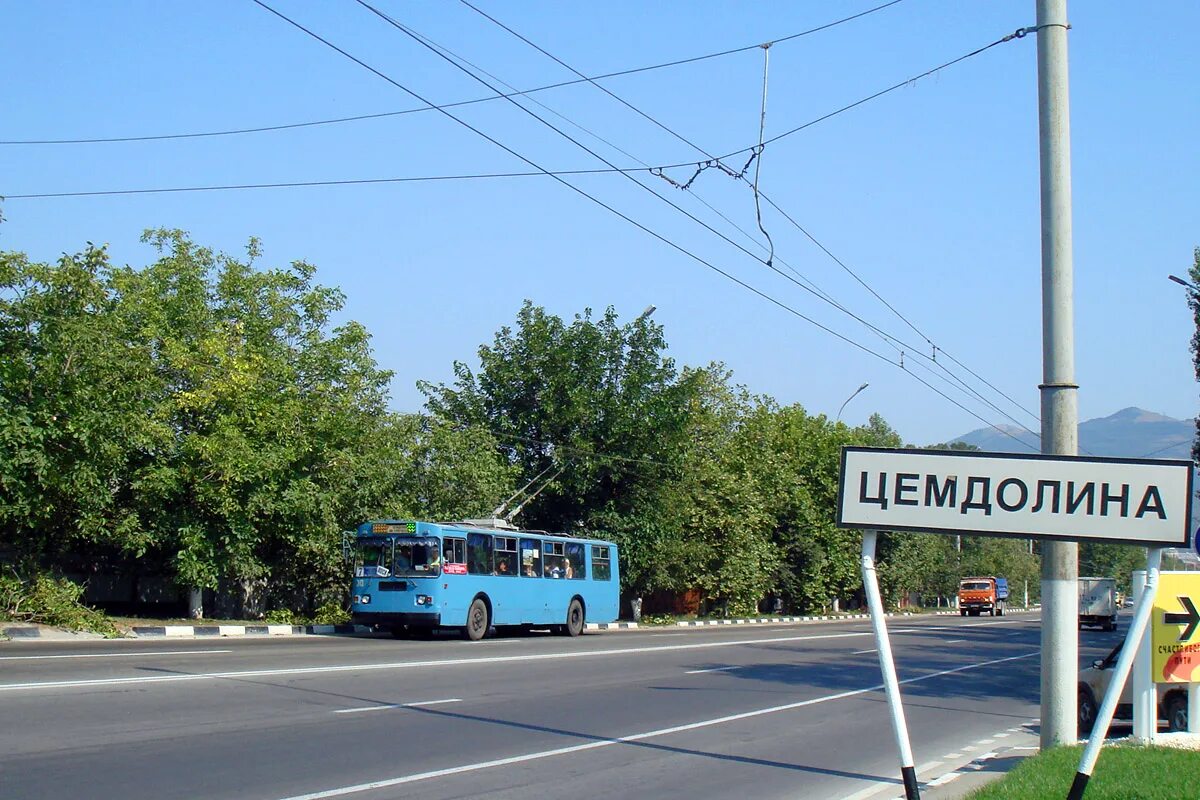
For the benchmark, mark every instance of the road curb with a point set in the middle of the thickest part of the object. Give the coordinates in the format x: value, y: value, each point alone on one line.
x: 611, y: 626
x: 201, y: 631
x: 693, y: 623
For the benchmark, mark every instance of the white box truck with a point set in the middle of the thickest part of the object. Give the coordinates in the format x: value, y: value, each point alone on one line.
x: 1098, y: 603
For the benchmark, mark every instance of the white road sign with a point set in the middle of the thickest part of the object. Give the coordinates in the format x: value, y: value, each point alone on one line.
x: 1139, y: 501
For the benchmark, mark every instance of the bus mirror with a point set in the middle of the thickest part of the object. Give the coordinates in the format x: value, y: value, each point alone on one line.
x: 346, y: 546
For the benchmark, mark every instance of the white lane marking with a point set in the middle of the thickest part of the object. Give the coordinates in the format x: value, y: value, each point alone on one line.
x: 714, y: 669
x: 399, y: 665
x: 875, y: 788
x: 117, y: 655
x: 636, y: 737
x: 986, y: 741
x: 951, y: 756
x: 398, y: 705
x: 1002, y: 735
x: 949, y: 776
x: 969, y: 749
x: 864, y: 652
x: 953, y: 641
x: 927, y: 767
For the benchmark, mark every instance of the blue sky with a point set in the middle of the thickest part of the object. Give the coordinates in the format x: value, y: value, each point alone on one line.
x: 929, y: 194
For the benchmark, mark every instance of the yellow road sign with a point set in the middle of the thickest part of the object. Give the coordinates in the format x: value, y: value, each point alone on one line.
x: 1175, y: 625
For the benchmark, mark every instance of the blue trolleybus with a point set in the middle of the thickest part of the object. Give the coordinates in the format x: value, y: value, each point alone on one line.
x: 417, y: 576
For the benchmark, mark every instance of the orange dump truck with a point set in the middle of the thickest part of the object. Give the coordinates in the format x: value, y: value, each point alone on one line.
x: 977, y: 595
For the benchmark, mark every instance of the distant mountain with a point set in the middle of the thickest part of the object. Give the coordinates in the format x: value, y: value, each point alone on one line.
x: 1129, y: 433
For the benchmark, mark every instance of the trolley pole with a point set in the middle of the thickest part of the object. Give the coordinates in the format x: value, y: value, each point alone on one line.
x: 1059, y: 400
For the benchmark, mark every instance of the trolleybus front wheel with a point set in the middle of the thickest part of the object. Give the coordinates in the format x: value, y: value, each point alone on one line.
x: 477, y: 620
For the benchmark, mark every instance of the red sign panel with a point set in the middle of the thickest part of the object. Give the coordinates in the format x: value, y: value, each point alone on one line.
x: 455, y: 569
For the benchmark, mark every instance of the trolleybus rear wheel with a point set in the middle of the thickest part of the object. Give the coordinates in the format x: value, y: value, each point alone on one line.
x: 574, y: 625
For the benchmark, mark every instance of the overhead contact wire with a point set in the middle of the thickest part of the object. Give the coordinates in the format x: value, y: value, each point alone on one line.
x: 576, y: 189
x: 338, y: 120
x: 758, y: 152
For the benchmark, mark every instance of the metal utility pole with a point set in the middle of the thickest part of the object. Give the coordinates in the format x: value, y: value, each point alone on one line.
x: 1060, y: 412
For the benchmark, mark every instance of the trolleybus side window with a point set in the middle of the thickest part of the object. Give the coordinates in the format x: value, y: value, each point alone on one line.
x: 601, y: 566
x: 506, y: 556
x: 555, y: 561
x: 456, y: 550
x: 531, y: 558
x: 479, y: 554
x: 575, y: 564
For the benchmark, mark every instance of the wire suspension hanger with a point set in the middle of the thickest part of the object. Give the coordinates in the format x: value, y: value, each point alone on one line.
x: 762, y: 123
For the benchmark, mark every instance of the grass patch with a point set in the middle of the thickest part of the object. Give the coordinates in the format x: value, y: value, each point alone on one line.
x: 1122, y: 772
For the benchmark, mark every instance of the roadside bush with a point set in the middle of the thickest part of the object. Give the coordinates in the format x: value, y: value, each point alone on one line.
x: 329, y: 614
x: 285, y: 616
x: 48, y: 600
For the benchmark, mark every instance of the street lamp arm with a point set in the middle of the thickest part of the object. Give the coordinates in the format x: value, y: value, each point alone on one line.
x: 848, y: 399
x: 1186, y: 284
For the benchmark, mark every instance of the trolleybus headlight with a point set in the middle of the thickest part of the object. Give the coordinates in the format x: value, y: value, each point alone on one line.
x: 357, y: 599
x: 424, y: 600
x: 366, y: 598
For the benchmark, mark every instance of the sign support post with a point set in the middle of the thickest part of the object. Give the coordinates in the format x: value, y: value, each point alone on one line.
x: 1137, y: 628
x: 891, y: 685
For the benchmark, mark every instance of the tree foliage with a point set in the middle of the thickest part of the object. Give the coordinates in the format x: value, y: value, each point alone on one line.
x: 594, y: 403
x: 204, y: 415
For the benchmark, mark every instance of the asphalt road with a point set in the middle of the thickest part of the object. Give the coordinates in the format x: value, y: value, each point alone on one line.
x: 745, y: 711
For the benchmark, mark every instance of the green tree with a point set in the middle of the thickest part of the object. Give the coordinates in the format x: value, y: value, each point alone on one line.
x: 265, y: 404
x: 718, y: 500
x: 204, y: 416
x: 74, y: 400
x: 594, y: 399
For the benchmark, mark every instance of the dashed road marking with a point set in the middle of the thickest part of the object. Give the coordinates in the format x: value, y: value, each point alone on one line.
x: 398, y: 705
